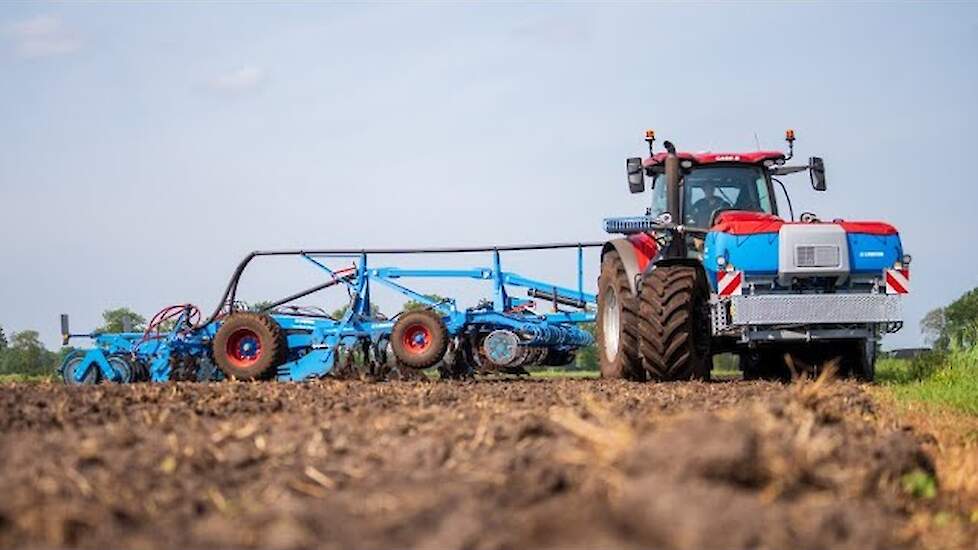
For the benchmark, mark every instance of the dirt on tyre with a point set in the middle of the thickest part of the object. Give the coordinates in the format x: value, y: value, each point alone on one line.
x: 674, y: 324
x: 249, y: 346
x: 419, y: 339
x: 617, y: 322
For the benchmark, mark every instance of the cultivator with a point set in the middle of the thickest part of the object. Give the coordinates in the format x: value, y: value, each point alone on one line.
x: 284, y: 341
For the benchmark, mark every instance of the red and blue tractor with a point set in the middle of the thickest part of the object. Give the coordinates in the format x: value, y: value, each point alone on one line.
x: 716, y: 265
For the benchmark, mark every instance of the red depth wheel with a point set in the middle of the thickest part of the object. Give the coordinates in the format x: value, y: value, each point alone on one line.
x: 249, y: 346
x: 243, y: 348
x: 417, y: 338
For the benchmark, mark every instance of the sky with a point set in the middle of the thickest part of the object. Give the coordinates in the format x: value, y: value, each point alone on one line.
x: 145, y: 148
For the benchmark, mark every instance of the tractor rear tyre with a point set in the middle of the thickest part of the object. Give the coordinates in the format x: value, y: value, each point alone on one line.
x: 674, y: 324
x: 617, y: 322
x: 419, y: 339
x: 249, y: 346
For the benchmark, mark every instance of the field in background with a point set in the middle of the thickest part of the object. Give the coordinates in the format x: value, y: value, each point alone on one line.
x: 942, y: 379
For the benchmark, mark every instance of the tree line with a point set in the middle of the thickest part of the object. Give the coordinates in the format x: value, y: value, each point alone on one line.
x: 24, y: 353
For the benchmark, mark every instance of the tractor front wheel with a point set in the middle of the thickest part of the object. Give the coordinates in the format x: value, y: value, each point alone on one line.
x: 616, y: 322
x: 674, y: 324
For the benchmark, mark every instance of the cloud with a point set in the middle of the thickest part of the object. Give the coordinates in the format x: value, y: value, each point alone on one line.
x: 42, y: 36
x: 240, y: 80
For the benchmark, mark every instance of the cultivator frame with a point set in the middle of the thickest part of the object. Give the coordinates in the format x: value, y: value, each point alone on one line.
x: 499, y: 332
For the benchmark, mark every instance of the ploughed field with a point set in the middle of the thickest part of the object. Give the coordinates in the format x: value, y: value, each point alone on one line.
x: 485, y: 464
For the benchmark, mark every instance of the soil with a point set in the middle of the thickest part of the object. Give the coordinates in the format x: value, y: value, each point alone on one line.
x: 485, y: 464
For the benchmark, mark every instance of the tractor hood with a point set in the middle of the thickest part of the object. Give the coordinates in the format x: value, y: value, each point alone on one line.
x: 750, y: 223
x: 765, y: 245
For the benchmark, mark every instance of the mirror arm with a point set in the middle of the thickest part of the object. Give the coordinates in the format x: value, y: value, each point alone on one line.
x: 791, y: 209
x: 785, y: 170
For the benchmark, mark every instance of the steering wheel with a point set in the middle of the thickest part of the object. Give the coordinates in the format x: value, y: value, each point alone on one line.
x: 696, y: 212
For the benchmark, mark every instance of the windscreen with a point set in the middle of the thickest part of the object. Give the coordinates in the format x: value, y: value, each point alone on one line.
x: 711, y: 188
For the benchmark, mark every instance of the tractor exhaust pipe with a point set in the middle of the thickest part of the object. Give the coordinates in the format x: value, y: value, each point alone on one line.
x: 673, y: 196
x: 677, y: 246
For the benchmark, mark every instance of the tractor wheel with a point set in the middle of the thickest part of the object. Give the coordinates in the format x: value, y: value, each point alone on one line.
x: 766, y: 363
x: 249, y: 346
x: 859, y: 359
x: 617, y: 322
x: 674, y: 324
x: 91, y: 376
x: 419, y: 339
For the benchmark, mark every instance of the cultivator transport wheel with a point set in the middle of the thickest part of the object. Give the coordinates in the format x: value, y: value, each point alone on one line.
x: 123, y: 367
x: 249, y: 346
x: 617, y: 322
x: 419, y: 339
x: 674, y: 328
x: 91, y: 376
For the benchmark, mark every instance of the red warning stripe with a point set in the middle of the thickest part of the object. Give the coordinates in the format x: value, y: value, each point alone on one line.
x: 897, y: 281
x: 729, y: 283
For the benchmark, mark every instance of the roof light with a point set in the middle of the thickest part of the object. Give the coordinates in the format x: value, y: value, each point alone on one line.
x: 650, y: 135
x: 789, y: 135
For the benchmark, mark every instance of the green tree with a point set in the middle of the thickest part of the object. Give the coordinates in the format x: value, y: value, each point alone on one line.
x: 3, y: 340
x: 260, y: 306
x: 961, y: 320
x: 414, y: 305
x: 27, y: 355
x: 340, y: 312
x: 933, y: 327
x: 115, y: 320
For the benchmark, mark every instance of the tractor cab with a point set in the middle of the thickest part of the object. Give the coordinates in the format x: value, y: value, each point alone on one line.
x: 711, y: 183
x: 710, y: 189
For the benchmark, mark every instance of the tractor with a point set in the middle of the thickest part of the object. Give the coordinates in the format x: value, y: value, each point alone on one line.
x: 716, y: 265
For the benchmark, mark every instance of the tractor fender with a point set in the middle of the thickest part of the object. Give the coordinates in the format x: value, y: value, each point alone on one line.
x: 634, y: 260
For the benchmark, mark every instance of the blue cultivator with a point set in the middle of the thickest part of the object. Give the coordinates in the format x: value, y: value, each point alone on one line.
x: 288, y: 342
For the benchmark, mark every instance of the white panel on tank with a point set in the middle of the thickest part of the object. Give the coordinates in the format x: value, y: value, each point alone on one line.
x: 812, y: 250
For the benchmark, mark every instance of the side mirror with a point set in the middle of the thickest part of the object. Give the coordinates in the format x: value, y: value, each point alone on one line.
x: 816, y: 167
x: 636, y: 175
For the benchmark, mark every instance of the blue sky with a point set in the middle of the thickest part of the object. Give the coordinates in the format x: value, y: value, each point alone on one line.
x: 144, y: 148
